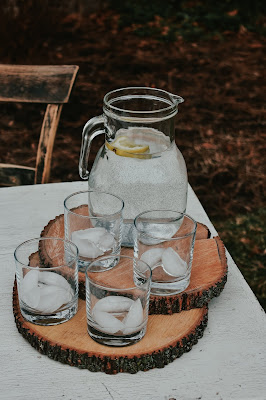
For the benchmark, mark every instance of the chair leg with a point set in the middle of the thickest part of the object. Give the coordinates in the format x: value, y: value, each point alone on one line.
x: 46, y: 143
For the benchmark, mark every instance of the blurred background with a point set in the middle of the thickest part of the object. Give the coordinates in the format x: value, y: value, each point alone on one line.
x: 210, y: 53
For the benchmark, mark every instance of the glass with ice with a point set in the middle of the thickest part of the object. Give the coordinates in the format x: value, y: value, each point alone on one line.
x: 47, y: 280
x: 93, y: 221
x: 139, y: 160
x: 117, y: 300
x: 164, y: 239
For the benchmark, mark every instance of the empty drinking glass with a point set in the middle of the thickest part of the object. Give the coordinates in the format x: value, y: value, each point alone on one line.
x: 93, y: 221
x: 117, y: 300
x: 47, y: 280
x: 165, y: 239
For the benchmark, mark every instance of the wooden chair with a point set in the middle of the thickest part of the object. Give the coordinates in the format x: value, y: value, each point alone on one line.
x: 51, y: 85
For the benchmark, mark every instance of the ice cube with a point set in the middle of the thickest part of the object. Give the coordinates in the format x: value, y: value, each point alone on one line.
x: 134, y: 318
x: 30, y: 280
x: 47, y: 290
x: 92, y: 242
x: 52, y: 298
x: 52, y: 278
x: 152, y: 256
x: 87, y: 248
x: 173, y: 264
x: 113, y: 304
x: 92, y: 234
x: 107, y: 322
x: 31, y: 297
x: 107, y: 241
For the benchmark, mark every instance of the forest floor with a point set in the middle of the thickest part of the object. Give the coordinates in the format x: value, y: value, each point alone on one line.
x: 219, y: 128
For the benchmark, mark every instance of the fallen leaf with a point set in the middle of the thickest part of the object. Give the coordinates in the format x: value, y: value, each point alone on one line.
x: 256, y: 250
x: 256, y: 45
x: 232, y: 13
x: 208, y: 146
x: 245, y: 240
x: 165, y: 30
x: 242, y: 29
x: 239, y: 220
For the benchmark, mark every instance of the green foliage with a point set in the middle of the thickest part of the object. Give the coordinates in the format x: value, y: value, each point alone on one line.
x: 190, y: 19
x: 244, y: 236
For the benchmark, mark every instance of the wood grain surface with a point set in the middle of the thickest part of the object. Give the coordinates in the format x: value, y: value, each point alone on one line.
x: 37, y: 83
x: 167, y: 338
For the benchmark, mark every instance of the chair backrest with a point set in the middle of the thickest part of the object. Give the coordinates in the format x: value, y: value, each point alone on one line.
x: 48, y: 84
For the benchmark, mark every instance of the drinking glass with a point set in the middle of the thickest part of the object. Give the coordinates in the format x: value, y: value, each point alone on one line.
x: 117, y: 300
x: 47, y: 280
x: 93, y: 221
x: 165, y: 239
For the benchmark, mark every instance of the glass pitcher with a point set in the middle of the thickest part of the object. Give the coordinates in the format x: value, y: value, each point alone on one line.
x: 139, y: 161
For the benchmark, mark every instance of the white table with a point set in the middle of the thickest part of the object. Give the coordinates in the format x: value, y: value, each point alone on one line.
x: 227, y: 363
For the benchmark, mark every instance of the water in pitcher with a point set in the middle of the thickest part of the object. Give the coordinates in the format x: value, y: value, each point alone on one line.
x: 145, y: 169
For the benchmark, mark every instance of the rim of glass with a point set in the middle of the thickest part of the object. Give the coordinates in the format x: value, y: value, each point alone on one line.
x: 172, y: 105
x: 191, y: 233
x: 108, y: 269
x: 66, y: 264
x: 92, y: 217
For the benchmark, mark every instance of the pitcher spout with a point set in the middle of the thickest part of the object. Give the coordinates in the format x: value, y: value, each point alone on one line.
x: 176, y: 99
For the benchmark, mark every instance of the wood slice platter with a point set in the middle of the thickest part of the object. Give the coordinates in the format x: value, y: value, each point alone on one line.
x: 208, y: 276
x: 175, y: 322
x: 167, y: 338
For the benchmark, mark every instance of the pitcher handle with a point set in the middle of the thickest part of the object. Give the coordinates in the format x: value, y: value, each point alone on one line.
x: 92, y: 128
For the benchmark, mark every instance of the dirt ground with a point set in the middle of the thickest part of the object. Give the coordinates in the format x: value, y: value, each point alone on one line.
x: 219, y: 128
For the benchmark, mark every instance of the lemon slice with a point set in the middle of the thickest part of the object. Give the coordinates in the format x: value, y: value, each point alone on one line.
x: 123, y: 146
